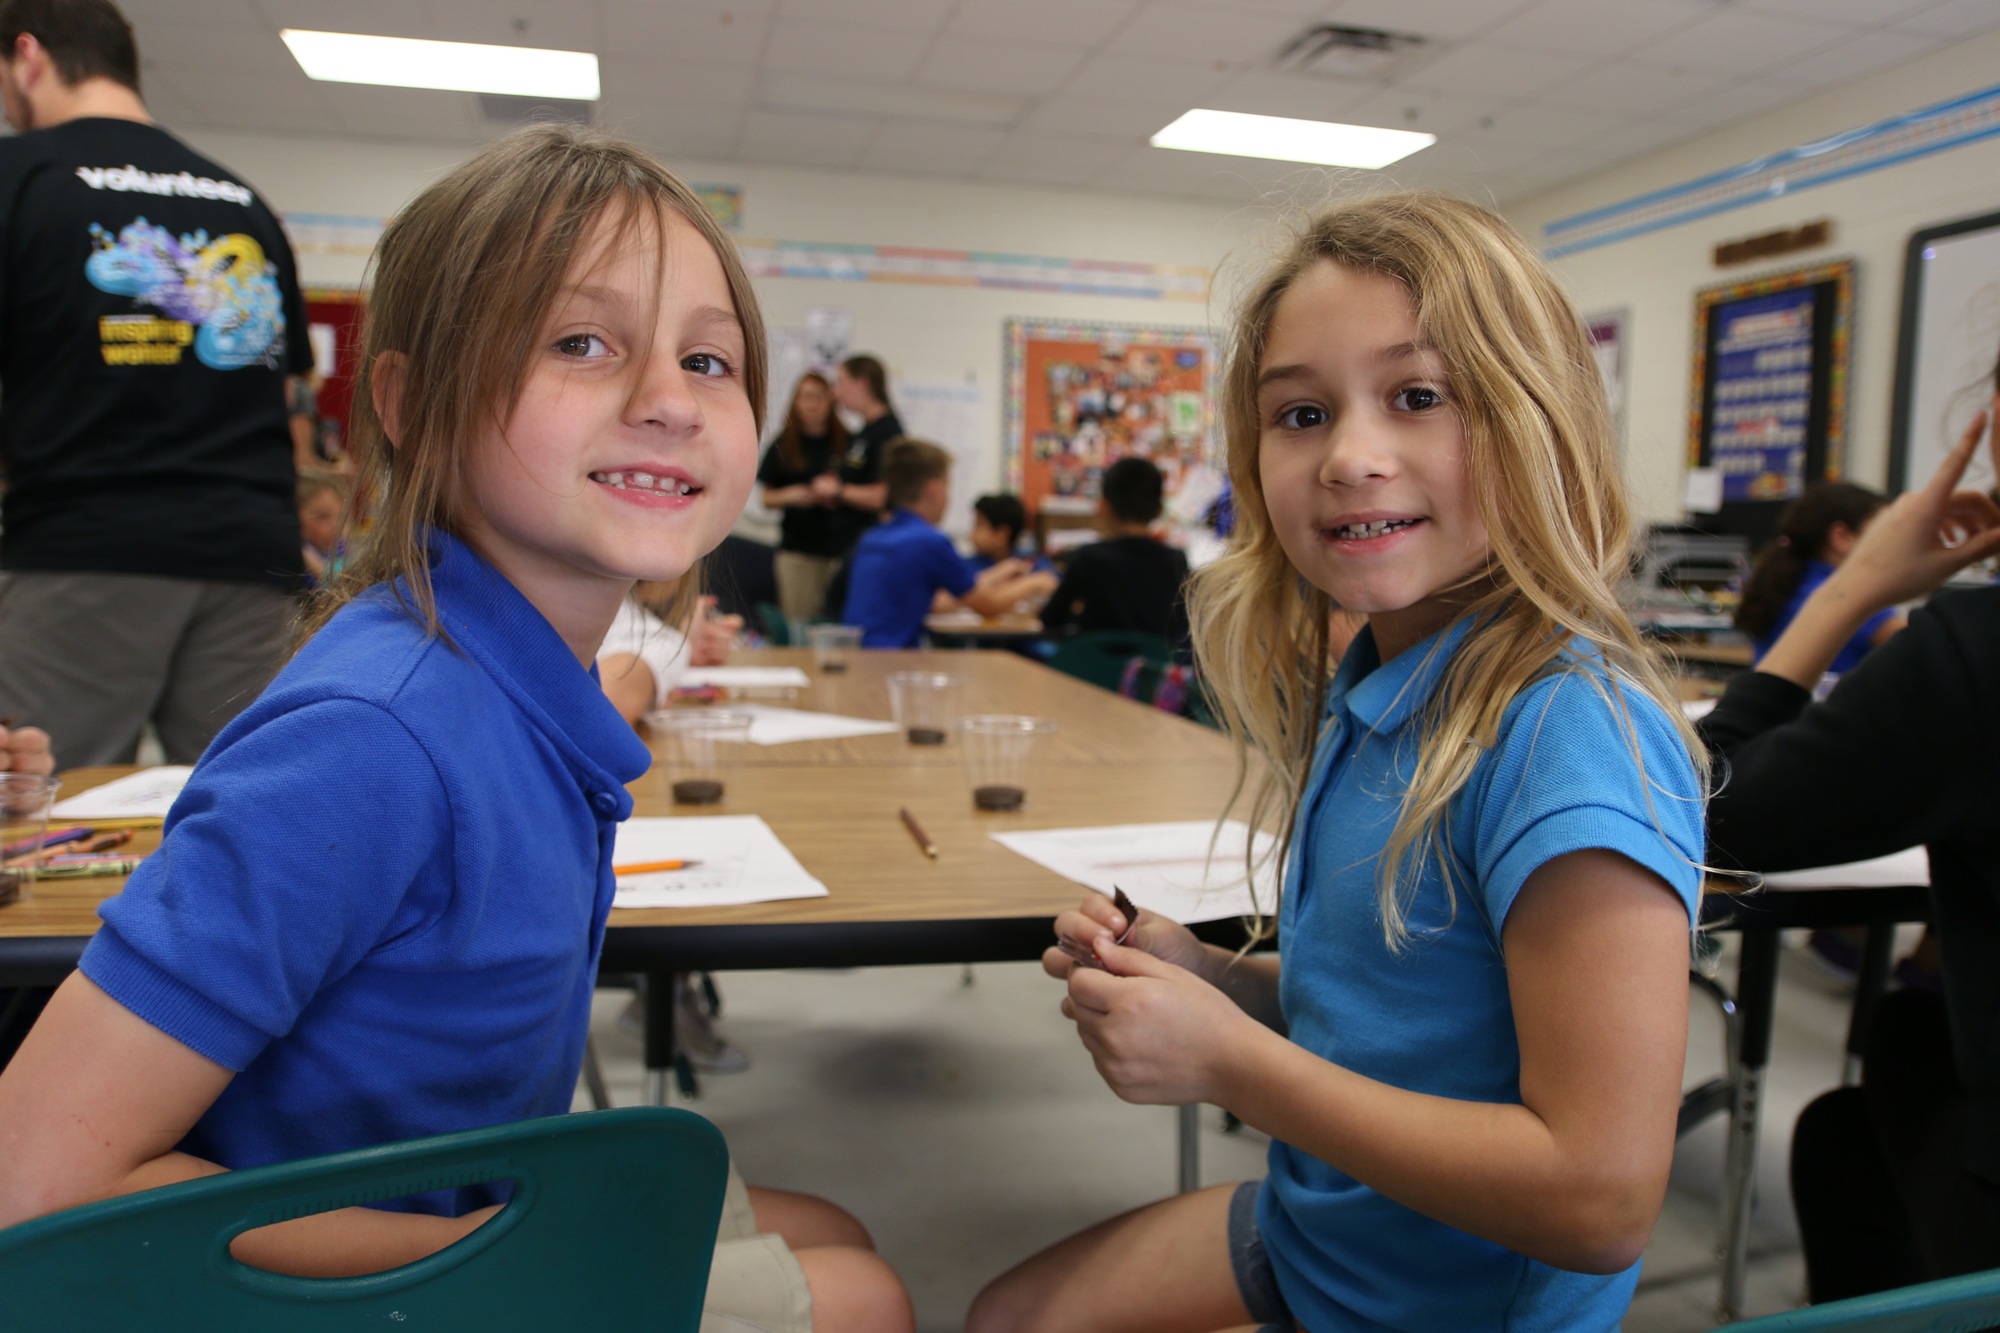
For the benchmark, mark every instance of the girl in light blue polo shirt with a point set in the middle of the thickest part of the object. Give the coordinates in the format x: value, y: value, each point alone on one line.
x: 1469, y: 1062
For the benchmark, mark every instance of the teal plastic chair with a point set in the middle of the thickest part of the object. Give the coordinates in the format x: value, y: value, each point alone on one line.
x: 1953, y: 1305
x: 1100, y: 658
x: 611, y: 1225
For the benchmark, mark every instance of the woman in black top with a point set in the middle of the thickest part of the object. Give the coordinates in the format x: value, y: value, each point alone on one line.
x: 816, y: 476
x: 1896, y: 1181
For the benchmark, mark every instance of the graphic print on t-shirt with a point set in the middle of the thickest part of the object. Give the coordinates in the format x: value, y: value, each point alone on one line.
x: 218, y: 294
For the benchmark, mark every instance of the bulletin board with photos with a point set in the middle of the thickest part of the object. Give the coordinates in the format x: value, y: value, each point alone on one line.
x: 1768, y: 397
x: 1081, y: 395
x: 333, y: 316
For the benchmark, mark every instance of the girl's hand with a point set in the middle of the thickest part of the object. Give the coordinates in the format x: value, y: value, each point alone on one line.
x: 1159, y: 1034
x: 26, y: 750
x: 1926, y: 535
x: 1082, y: 935
x: 713, y: 636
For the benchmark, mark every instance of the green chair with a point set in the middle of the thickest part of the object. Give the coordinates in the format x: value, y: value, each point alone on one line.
x: 1100, y: 657
x: 1954, y: 1305
x: 611, y: 1225
x: 777, y: 630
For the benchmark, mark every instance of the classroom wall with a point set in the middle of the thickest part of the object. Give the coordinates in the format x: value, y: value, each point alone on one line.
x: 944, y: 343
x: 1656, y: 276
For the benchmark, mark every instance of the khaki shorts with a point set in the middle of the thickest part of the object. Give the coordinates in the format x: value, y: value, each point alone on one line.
x: 755, y: 1285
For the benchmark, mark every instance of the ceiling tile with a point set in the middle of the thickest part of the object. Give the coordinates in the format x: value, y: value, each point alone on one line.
x: 220, y: 50
x: 991, y: 64
x: 1420, y: 109
x: 1953, y: 18
x: 1861, y: 13
x: 916, y: 16
x: 555, y: 24
x: 1091, y: 152
x: 810, y: 46
x: 1591, y: 27
x: 630, y: 81
x: 1082, y: 23
x: 1450, y: 20
x: 1640, y: 138
x: 411, y: 113
x: 1736, y: 101
x: 144, y: 15
x: 1858, y: 56
x: 688, y: 34
x: 1736, y: 42
x: 675, y: 131
x: 1623, y: 88
x: 1303, y: 96
x: 1547, y: 128
x: 806, y: 140
x: 1136, y: 121
x: 1110, y: 77
x: 1175, y: 30
x: 1032, y: 171
x: 945, y: 150
x: 1511, y: 73
x: 382, y: 18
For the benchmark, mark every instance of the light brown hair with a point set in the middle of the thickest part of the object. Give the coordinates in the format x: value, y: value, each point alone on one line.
x: 908, y: 466
x: 1543, y: 471
x: 789, y: 445
x: 464, y: 278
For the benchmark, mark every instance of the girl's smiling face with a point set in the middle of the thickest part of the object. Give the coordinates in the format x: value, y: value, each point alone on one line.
x: 632, y: 446
x: 1362, y: 454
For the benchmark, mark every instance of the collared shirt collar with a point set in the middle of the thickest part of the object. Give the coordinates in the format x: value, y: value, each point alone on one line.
x: 489, y: 620
x: 1382, y: 696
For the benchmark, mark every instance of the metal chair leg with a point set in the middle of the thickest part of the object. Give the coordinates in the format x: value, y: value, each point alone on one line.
x: 593, y: 1076
x: 1188, y: 1135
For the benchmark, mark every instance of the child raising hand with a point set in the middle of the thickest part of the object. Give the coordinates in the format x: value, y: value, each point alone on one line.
x: 1469, y: 1053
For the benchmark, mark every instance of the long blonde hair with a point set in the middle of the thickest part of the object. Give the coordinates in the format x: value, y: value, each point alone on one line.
x: 464, y: 277
x: 1542, y: 469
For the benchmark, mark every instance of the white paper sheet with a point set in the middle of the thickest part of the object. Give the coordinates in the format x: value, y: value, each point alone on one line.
x: 782, y: 726
x: 1694, y: 710
x: 147, y: 794
x: 742, y: 861
x: 746, y: 678
x: 1909, y: 866
x: 1166, y: 868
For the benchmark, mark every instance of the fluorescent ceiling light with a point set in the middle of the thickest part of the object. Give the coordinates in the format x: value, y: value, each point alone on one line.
x: 403, y: 62
x: 1287, y: 140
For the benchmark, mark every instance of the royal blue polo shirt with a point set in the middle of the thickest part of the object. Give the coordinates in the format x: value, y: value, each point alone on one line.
x: 381, y: 897
x: 1436, y: 1017
x: 895, y: 571
x: 1857, y: 645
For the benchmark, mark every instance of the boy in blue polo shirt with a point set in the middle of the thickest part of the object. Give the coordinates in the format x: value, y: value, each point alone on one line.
x: 906, y: 568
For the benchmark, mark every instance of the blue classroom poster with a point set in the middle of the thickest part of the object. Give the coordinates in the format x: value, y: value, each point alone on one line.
x: 1763, y: 391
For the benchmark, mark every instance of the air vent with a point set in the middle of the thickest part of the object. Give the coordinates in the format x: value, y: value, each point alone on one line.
x: 1332, y: 50
x: 506, y: 109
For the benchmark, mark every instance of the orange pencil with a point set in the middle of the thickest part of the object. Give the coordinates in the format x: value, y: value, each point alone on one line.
x: 651, y: 867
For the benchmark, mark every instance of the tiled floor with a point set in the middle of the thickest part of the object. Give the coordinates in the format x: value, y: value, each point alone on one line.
x: 967, y: 1128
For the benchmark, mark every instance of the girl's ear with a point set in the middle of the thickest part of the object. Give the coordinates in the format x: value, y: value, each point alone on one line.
x: 1840, y: 539
x: 385, y: 384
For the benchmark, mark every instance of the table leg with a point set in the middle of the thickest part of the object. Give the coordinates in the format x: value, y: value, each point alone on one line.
x: 1868, y: 987
x: 1188, y: 1134
x: 1756, y: 992
x: 659, y: 1010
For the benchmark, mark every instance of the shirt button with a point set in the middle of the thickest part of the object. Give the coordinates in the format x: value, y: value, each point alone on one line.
x: 605, y: 802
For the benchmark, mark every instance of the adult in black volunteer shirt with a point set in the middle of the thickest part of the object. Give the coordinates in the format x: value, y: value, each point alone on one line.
x: 807, y: 475
x: 1898, y: 1180
x: 149, y: 317
x: 861, y: 386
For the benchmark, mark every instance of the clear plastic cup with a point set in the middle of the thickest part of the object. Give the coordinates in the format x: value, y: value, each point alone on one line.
x: 25, y: 799
x: 697, y: 747
x: 925, y: 705
x: 832, y: 645
x: 1001, y: 751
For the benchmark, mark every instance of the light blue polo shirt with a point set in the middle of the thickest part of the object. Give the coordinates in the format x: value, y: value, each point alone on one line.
x: 381, y: 897
x: 1436, y: 1018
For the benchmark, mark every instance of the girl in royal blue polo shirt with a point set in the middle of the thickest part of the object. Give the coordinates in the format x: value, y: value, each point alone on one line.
x: 379, y: 904
x: 1469, y: 1062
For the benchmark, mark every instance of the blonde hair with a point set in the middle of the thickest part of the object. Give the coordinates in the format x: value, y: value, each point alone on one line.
x: 1542, y: 469
x: 464, y: 277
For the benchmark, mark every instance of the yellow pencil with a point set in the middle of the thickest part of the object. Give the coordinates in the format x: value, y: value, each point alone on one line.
x: 652, y: 867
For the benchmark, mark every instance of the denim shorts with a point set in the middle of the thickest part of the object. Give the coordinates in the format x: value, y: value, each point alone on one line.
x: 1255, y: 1281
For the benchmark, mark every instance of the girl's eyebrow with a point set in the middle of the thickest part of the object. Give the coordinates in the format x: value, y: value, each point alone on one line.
x: 1405, y: 351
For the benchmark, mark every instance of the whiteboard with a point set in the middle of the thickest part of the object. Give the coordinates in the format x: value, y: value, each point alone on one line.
x: 1949, y: 340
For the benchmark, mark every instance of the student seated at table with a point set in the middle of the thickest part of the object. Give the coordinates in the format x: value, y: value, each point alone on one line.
x: 643, y: 657
x: 906, y: 568
x: 998, y: 520
x: 1898, y: 1180
x: 379, y: 906
x: 322, y: 502
x: 1130, y: 581
x: 1815, y: 533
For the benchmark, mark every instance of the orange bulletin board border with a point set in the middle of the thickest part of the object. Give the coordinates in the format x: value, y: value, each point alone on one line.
x: 1081, y: 394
